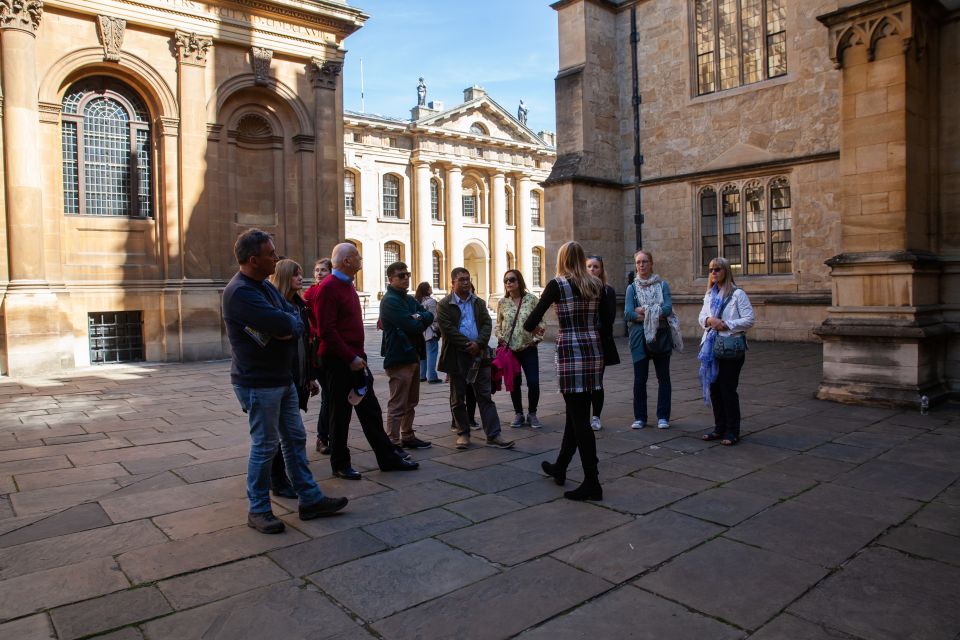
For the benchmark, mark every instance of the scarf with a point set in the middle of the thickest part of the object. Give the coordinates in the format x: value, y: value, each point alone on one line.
x: 650, y: 298
x: 709, y: 367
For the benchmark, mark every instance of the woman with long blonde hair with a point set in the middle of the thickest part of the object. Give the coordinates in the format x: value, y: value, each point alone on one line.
x: 577, y: 295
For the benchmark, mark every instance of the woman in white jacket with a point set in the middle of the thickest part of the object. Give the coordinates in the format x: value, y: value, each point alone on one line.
x: 726, y: 312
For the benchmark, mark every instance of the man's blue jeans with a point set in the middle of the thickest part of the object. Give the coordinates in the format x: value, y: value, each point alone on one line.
x: 428, y: 367
x: 274, y: 417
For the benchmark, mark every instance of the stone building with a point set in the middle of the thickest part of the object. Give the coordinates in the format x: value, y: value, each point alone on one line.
x: 138, y: 139
x: 447, y: 187
x: 814, y: 144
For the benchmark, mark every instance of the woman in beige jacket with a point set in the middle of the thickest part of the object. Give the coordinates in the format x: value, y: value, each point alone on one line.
x: 514, y: 309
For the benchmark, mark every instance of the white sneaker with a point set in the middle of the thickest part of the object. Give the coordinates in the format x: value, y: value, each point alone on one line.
x: 638, y: 424
x: 662, y: 424
x: 595, y: 423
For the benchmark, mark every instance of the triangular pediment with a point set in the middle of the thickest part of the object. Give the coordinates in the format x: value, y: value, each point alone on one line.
x: 740, y: 154
x: 482, y: 114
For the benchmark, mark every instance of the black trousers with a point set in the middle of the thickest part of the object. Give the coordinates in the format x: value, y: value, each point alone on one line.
x: 323, y: 421
x: 339, y: 381
x: 577, y: 434
x: 596, y: 398
x: 724, y: 398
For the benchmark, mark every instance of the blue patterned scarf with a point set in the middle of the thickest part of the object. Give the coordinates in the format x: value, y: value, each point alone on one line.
x: 709, y: 367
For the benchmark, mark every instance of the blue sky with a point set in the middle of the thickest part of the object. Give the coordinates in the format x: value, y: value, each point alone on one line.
x: 507, y: 47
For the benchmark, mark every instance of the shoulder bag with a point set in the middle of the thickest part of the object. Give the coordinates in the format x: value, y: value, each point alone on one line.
x: 729, y: 347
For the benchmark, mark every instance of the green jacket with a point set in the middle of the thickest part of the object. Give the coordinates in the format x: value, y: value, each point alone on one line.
x: 402, y: 333
x: 452, y: 341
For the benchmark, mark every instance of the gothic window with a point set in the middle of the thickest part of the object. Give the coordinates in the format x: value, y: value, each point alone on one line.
x: 739, y: 42
x: 349, y: 193
x: 535, y: 218
x: 392, y: 252
x: 435, y: 199
x: 437, y: 269
x: 749, y: 224
x: 106, y: 151
x: 537, y: 267
x: 391, y: 196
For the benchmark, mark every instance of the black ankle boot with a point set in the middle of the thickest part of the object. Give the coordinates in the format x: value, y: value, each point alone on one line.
x: 589, y: 490
x: 553, y: 470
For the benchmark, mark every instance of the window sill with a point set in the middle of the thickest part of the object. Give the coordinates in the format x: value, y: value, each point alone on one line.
x: 393, y: 220
x: 746, y: 88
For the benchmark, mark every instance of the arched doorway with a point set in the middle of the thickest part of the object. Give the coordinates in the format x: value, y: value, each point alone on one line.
x: 475, y: 260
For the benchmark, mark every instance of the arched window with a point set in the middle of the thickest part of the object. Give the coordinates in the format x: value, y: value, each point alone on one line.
x: 435, y: 199
x: 349, y: 193
x: 756, y: 221
x: 537, y: 268
x: 781, y: 226
x: 535, y: 218
x: 709, y: 242
x: 730, y: 198
x: 391, y: 196
x: 511, y: 261
x: 106, y: 150
x: 478, y: 129
x: 392, y: 252
x: 508, y: 199
x: 437, y: 270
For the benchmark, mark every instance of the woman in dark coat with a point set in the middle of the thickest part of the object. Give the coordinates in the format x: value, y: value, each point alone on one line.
x: 610, y: 355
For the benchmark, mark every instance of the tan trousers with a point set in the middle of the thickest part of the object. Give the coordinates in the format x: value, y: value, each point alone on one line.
x: 404, y: 397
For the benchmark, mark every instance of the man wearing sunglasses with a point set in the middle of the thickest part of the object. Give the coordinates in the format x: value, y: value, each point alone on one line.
x: 404, y: 321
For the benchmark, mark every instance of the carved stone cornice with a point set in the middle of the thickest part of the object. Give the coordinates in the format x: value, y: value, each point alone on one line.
x: 110, y: 31
x: 324, y: 73
x: 169, y: 127
x: 49, y: 112
x: 192, y: 48
x: 214, y: 130
x: 303, y: 143
x: 23, y: 15
x: 260, y: 60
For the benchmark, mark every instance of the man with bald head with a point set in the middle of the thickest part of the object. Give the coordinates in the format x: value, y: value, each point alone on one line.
x: 336, y: 307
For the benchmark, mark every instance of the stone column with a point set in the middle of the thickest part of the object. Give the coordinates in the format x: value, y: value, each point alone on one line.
x: 21, y: 131
x: 883, y: 341
x: 525, y: 227
x: 328, y: 130
x: 454, y: 189
x: 422, y: 264
x: 498, y: 230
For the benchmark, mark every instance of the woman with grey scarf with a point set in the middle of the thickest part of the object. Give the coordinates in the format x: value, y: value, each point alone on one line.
x: 648, y: 310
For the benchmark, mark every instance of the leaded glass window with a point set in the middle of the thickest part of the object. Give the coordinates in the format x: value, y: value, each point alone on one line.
x: 391, y: 254
x: 730, y: 197
x: 537, y: 267
x: 470, y: 206
x: 435, y: 199
x: 781, y: 224
x: 391, y: 196
x: 349, y: 193
x: 106, y: 151
x: 535, y: 218
x: 738, y: 42
x: 708, y: 226
x: 437, y: 270
x: 756, y: 220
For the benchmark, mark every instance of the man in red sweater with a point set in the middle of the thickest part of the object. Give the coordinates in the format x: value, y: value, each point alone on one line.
x: 336, y: 307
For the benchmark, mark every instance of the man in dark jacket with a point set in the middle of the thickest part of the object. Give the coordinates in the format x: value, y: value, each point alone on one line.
x: 404, y: 321
x: 465, y: 328
x: 263, y: 330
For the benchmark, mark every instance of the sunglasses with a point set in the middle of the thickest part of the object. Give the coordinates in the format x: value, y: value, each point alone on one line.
x: 402, y: 275
x: 716, y: 269
x: 509, y: 280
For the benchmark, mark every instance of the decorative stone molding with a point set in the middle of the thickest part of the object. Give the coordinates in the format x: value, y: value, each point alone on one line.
x: 214, y: 131
x: 260, y: 59
x: 869, y: 22
x: 303, y: 143
x: 21, y: 14
x: 324, y: 73
x: 169, y: 127
x: 192, y: 48
x: 50, y: 112
x: 110, y: 31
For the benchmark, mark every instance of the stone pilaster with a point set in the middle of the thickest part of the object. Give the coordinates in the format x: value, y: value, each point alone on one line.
x: 498, y: 229
x: 422, y: 264
x: 328, y: 126
x: 454, y: 211
x: 883, y: 341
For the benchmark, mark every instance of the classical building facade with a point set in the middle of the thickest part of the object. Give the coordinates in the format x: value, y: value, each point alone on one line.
x: 138, y: 139
x: 815, y: 145
x: 447, y: 187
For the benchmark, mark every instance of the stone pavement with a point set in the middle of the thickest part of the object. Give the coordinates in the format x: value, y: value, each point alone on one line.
x: 122, y: 516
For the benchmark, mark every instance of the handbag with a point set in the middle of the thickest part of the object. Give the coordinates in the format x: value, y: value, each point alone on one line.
x: 662, y: 342
x: 730, y: 347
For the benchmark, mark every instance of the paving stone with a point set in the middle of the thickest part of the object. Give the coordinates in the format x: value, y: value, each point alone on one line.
x: 950, y: 496
x: 159, y: 463
x: 794, y: 437
x: 213, y: 470
x: 732, y: 581
x: 62, y: 585
x: 76, y: 547
x: 629, y: 550
x: 41, y: 480
x: 835, y: 497
x: 322, y: 553
x: 883, y: 594
x: 788, y: 627
x: 109, y: 612
x: 939, y: 517
x: 16, y: 455
x: 812, y: 467
x: 924, y: 543
x: 537, y: 492
x: 772, y: 484
x: 672, y: 479
x: 128, y: 633
x: 702, y: 467
x: 844, y: 452
x: 874, y: 439
x: 631, y: 613
x: 724, y: 506
x: 429, y: 470
x: 928, y: 450
x: 146, y: 482
x: 520, y: 598
x: 53, y: 498
x: 154, y: 503
x: 637, y: 496
x: 36, y: 627
x: 206, y: 519
x: 416, y: 526
x: 897, y: 479
x: 378, y: 586
x: 130, y: 454
x: 522, y: 535
x: 818, y: 536
x: 32, y: 465
x: 287, y: 610
x: 221, y: 582
x: 491, y: 479
x: 484, y: 507
x: 479, y: 455
x: 80, y: 518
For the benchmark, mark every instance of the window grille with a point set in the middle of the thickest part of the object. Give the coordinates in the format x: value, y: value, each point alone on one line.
x: 115, y: 336
x: 435, y: 199
x: 508, y: 200
x: 349, y: 194
x: 391, y: 197
x: 391, y: 254
x: 436, y: 270
x: 470, y: 206
x: 537, y: 268
x: 535, y: 209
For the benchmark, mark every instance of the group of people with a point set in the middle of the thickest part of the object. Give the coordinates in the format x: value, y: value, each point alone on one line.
x: 288, y: 347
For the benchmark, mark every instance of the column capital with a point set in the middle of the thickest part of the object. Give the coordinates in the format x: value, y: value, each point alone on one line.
x: 110, y: 31
x: 23, y: 15
x: 192, y: 48
x: 324, y: 73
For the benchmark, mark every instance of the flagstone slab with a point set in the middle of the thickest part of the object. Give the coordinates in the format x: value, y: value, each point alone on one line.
x: 883, y: 594
x: 54, y: 498
x: 155, y: 503
x: 479, y: 455
x: 637, y: 496
x: 788, y: 627
x: 378, y: 586
x: 62, y: 585
x: 845, y: 452
x: 491, y: 479
x: 213, y: 470
x: 522, y: 535
x: 673, y: 479
x: 771, y: 483
x: 844, y: 499
x: 109, y: 612
x: 36, y: 627
x: 288, y: 610
x: 724, y: 506
x: 83, y: 517
x: 928, y: 450
x: 416, y: 526
x: 794, y: 437
x: 322, y: 553
x: 206, y: 519
x: 812, y: 467
x: 732, y: 581
x: 898, y: 479
x: 146, y: 482
x: 209, y: 585
x: 34, y: 465
x: 629, y: 550
x: 925, y: 543
x: 484, y: 507
x: 498, y: 607
x: 631, y: 613
x: 939, y: 517
x: 44, y: 479
x: 703, y: 467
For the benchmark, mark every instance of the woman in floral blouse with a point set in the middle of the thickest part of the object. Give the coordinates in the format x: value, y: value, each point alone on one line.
x: 514, y: 309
